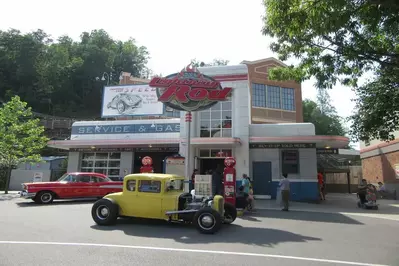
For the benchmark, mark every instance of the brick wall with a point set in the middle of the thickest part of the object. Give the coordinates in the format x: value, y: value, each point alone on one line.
x: 381, y: 166
x: 258, y: 73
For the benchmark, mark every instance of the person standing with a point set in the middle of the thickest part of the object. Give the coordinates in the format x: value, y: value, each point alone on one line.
x: 192, y: 185
x: 320, y: 181
x: 245, y: 183
x: 217, y: 181
x: 285, y: 191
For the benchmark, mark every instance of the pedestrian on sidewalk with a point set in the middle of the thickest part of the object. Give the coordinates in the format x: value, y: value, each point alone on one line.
x: 320, y: 180
x: 285, y: 191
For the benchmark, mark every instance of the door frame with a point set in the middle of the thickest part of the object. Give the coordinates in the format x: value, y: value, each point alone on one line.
x: 271, y: 180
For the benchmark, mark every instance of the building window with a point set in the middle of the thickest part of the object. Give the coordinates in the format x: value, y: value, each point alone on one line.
x: 290, y: 162
x: 170, y: 112
x: 288, y: 99
x: 258, y: 95
x: 216, y: 122
x: 273, y: 97
x: 215, y: 153
x: 107, y: 163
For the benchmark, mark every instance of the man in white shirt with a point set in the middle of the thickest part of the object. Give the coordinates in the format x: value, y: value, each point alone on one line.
x: 285, y: 191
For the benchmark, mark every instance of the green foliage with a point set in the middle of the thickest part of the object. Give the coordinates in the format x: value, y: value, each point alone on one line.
x: 338, y: 41
x: 215, y: 62
x: 63, y: 77
x: 323, y: 115
x: 21, y: 137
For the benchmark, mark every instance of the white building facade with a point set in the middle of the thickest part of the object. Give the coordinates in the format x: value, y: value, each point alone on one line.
x: 263, y: 151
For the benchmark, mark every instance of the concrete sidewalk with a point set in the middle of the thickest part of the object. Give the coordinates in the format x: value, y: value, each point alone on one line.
x: 338, y: 203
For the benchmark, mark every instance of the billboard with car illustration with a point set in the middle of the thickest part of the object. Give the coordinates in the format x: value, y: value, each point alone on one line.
x: 130, y: 100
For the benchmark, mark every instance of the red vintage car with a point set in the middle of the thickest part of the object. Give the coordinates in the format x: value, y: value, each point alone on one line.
x: 71, y: 186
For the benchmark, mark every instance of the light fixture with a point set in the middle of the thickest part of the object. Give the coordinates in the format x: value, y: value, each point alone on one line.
x: 93, y: 147
x: 103, y: 77
x: 327, y: 147
x: 153, y: 124
x: 150, y: 146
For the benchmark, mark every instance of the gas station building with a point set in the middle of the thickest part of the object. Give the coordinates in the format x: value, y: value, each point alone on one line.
x: 260, y: 125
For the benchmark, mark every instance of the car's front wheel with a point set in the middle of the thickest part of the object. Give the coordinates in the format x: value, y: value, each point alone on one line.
x: 44, y: 197
x: 207, y: 221
x: 230, y: 213
x: 104, y: 212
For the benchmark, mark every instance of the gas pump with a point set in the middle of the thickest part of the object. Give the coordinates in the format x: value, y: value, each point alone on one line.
x: 229, y: 178
x: 147, y: 165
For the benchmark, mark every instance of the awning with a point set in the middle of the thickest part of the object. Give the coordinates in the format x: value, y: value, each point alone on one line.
x: 68, y: 144
x: 320, y: 141
x: 212, y: 142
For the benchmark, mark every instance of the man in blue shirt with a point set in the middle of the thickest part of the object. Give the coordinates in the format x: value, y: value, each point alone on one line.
x: 245, y: 183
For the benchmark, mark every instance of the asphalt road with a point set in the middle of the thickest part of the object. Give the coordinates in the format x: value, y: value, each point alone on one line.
x: 64, y: 234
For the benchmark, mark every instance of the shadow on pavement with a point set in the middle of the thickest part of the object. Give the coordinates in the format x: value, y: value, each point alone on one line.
x: 304, y: 216
x: 187, y: 234
x: 56, y: 202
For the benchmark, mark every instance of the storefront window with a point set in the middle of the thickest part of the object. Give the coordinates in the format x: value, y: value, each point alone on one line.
x: 290, y: 162
x: 104, y: 163
x: 216, y: 122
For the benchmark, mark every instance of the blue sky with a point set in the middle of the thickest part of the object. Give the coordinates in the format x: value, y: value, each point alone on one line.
x: 174, y: 31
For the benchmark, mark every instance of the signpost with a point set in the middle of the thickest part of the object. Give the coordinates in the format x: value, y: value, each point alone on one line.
x: 190, y: 91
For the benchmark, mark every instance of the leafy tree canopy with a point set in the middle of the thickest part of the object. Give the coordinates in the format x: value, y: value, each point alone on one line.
x: 215, y: 62
x: 339, y: 41
x: 21, y: 136
x: 63, y: 77
x: 323, y: 115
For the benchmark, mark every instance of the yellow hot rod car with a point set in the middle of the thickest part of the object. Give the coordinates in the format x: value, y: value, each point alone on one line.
x: 161, y: 196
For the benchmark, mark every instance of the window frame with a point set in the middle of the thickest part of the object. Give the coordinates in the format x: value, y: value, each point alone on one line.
x: 135, y: 185
x: 106, y: 170
x: 260, y: 97
x: 214, y: 119
x: 152, y: 181
x: 289, y: 170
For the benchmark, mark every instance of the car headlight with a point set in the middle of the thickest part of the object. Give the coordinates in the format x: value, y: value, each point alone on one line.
x: 210, y: 203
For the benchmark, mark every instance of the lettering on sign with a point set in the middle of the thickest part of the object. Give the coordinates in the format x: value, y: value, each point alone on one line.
x: 282, y: 145
x: 189, y: 90
x: 327, y: 151
x: 126, y: 129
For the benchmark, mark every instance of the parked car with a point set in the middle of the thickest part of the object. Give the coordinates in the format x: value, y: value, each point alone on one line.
x: 71, y: 186
x: 125, y: 101
x: 161, y: 196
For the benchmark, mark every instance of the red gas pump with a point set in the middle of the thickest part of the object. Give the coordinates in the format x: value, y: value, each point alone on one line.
x: 229, y: 178
x: 147, y: 165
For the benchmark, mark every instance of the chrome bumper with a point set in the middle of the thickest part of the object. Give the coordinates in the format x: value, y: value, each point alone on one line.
x: 27, y: 195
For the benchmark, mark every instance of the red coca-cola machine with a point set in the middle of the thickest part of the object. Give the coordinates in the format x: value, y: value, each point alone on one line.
x: 229, y: 178
x: 147, y: 165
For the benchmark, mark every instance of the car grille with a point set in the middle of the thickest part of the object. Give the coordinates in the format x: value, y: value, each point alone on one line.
x: 218, y: 204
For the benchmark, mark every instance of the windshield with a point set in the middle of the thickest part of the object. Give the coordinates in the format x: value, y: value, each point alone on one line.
x: 175, y: 185
x: 64, y: 176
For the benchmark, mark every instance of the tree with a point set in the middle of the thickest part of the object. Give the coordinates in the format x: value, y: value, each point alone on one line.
x: 61, y: 77
x: 215, y: 62
x: 21, y: 137
x: 323, y: 115
x: 339, y: 41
